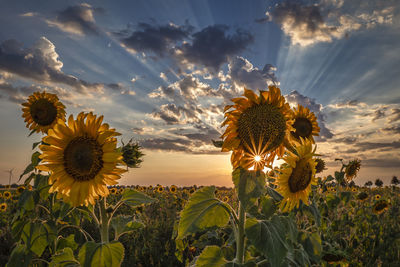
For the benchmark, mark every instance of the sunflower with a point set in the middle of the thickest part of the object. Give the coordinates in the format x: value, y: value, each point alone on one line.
x: 7, y: 195
x: 121, y: 190
x: 1, y: 195
x: 352, y: 169
x: 160, y: 188
x: 3, y: 207
x: 225, y: 199
x: 353, y: 189
x: 173, y: 189
x: 320, y: 165
x: 297, y: 175
x: 305, y: 124
x: 362, y: 196
x: 377, y: 196
x: 380, y: 206
x: 332, y: 258
x: 257, y: 128
x: 42, y: 111
x: 82, y: 158
x: 113, y: 191
x: 20, y: 189
x: 150, y: 187
x: 192, y: 190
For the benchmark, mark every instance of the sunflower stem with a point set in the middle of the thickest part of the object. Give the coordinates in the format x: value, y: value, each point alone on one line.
x: 104, y: 221
x: 240, y: 237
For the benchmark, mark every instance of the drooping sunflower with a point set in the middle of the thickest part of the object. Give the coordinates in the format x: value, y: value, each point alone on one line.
x: 82, y: 158
x: 297, y: 175
x: 257, y: 127
x: 42, y: 111
x: 305, y: 124
x: 362, y: 196
x: 380, y: 206
x: 3, y: 207
x: 352, y: 169
x: 7, y: 195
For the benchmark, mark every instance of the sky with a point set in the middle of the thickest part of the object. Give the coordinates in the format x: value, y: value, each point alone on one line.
x: 161, y: 72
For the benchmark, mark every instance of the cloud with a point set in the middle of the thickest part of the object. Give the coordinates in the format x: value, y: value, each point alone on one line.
x: 379, y: 113
x: 157, y: 39
x: 295, y: 98
x: 243, y: 74
x: 395, y: 116
x: 78, y: 20
x: 213, y: 46
x: 307, y: 24
x: 41, y: 64
x: 392, y: 130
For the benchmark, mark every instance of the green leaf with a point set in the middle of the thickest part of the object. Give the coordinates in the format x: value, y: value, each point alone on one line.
x: 67, y: 242
x: 124, y: 224
x: 268, y: 206
x: 42, y: 185
x: 135, y: 198
x: 339, y: 176
x: 249, y: 185
x: 268, y: 238
x: 35, y: 158
x: 28, y: 200
x: 211, y: 256
x: 312, y: 245
x: 35, y: 145
x: 274, y: 194
x: 101, y: 254
x: 35, y: 237
x: 203, y: 211
x: 20, y: 257
x: 64, y: 258
x: 27, y: 170
x: 217, y: 144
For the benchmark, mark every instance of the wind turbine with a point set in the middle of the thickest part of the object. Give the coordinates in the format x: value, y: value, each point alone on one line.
x: 10, y: 176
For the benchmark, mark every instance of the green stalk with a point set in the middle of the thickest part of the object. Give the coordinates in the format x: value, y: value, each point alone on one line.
x: 103, y: 221
x: 240, y: 237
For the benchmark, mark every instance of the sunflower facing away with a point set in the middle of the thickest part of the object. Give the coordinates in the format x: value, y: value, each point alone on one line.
x: 257, y: 128
x: 297, y: 175
x: 81, y: 158
x: 352, y: 169
x: 305, y: 124
x: 42, y: 111
x: 380, y: 207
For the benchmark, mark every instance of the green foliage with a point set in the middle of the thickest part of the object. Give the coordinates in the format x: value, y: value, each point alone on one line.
x: 249, y: 185
x: 203, y: 211
x: 135, y: 198
x: 101, y: 255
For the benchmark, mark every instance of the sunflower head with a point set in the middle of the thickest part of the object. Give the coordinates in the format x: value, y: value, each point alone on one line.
x: 1, y: 195
x: 7, y: 195
x: 113, y: 191
x: 305, y: 124
x: 173, y: 189
x: 42, y: 111
x: 82, y: 159
x: 3, y: 207
x: 192, y: 190
x: 320, y: 167
x: 352, y: 169
x: 297, y: 175
x: 132, y: 154
x: 380, y: 206
x: 226, y: 199
x: 362, y: 196
x: 257, y: 127
x: 377, y: 196
x: 20, y: 189
x: 160, y: 189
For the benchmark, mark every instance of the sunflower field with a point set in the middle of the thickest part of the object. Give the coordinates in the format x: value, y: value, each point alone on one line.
x: 69, y: 209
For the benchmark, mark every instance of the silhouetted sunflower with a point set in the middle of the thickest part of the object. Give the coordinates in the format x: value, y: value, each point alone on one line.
x: 305, y: 124
x: 380, y: 206
x: 42, y: 111
x: 257, y: 128
x: 81, y: 158
x: 352, y: 169
x: 297, y: 175
x: 362, y: 196
x: 320, y: 165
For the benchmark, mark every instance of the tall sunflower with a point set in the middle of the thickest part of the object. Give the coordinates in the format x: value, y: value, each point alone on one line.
x: 352, y: 169
x: 305, y: 124
x: 297, y: 175
x: 257, y: 128
x: 82, y: 159
x: 42, y: 111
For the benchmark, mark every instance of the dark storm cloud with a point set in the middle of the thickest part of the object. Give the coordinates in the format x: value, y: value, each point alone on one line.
x: 157, y: 39
x: 42, y: 64
x: 213, y: 46
x: 178, y: 144
x: 77, y: 19
x: 384, y: 162
x: 295, y: 98
x: 367, y: 146
x: 392, y: 130
x: 244, y: 74
x: 378, y: 114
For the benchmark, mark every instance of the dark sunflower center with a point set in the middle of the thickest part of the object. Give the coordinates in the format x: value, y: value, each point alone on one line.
x: 332, y: 258
x: 303, y: 128
x: 43, y: 112
x: 380, y: 206
x: 300, y: 177
x: 262, y: 122
x: 83, y: 158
